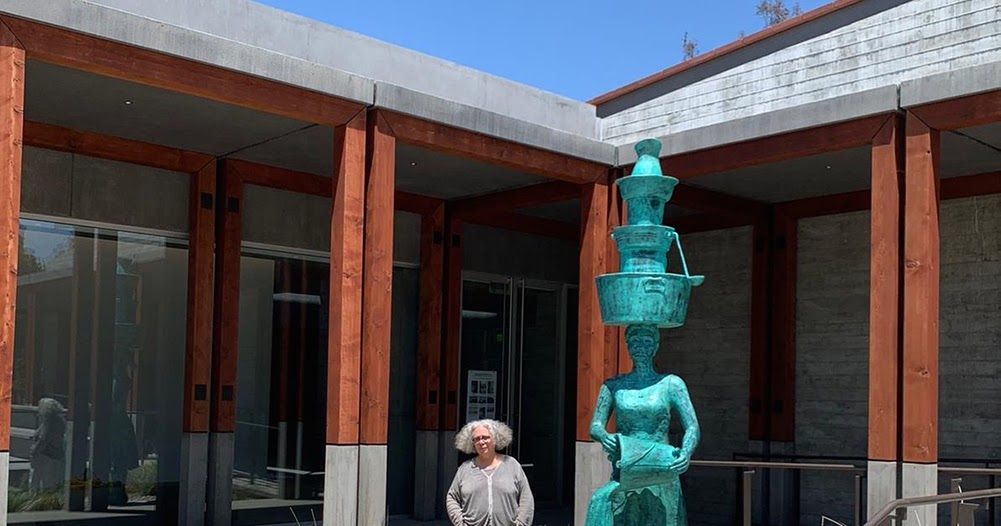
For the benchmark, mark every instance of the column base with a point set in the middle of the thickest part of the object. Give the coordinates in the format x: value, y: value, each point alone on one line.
x: 194, y: 471
x: 340, y: 486
x: 4, y: 485
x: 448, y: 463
x: 919, y: 480
x: 426, y: 475
x: 372, y: 469
x: 219, y: 501
x: 881, y: 485
x: 592, y: 470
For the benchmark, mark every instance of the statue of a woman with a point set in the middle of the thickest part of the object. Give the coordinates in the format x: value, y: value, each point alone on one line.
x: 645, y: 488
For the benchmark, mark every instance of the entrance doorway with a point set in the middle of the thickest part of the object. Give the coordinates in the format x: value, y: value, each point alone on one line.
x: 513, y: 366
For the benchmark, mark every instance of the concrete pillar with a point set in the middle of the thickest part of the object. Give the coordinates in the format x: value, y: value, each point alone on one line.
x: 920, y: 480
x: 194, y: 474
x: 448, y: 462
x: 372, y: 468
x: 425, y: 475
x: 340, y: 486
x: 219, y: 508
x: 881, y: 485
x: 592, y: 470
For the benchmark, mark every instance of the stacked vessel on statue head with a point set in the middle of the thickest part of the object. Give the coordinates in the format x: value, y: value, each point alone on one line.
x: 643, y: 292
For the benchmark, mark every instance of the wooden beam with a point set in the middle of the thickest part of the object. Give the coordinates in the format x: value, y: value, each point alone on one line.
x: 11, y: 128
x: 695, y: 223
x: 226, y: 329
x: 312, y: 184
x: 617, y: 359
x: 884, y: 290
x: 708, y: 201
x: 453, y: 323
x: 782, y: 380
x: 94, y: 55
x: 971, y: 186
x: 774, y: 149
x: 537, y: 226
x: 347, y: 223
x: 826, y: 205
x: 590, y: 330
x: 377, y: 292
x: 198, y: 341
x: 50, y: 137
x: 429, y: 327
x: 921, y: 293
x: 975, y: 110
x: 523, y: 197
x: 471, y: 145
x: 760, y: 329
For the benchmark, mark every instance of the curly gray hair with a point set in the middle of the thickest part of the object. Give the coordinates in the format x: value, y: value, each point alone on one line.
x: 499, y: 432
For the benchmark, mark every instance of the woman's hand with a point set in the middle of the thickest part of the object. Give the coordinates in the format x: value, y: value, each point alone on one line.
x: 609, y: 443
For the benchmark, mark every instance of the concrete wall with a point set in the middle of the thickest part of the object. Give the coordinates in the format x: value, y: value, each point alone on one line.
x: 832, y: 356
x: 313, y: 41
x: 69, y: 185
x: 711, y: 352
x: 892, y: 42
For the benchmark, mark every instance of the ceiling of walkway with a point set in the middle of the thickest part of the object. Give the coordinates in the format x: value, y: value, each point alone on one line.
x: 93, y: 103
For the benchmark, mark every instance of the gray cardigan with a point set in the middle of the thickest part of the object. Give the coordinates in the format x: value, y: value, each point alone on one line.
x: 475, y: 493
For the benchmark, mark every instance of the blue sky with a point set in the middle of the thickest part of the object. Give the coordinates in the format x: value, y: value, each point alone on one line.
x: 577, y: 49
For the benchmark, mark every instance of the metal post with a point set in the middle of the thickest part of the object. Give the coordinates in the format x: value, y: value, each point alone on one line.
x: 748, y: 480
x: 858, y: 500
x: 954, y: 486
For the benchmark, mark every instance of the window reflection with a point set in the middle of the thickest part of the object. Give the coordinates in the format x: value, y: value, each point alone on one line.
x: 98, y: 371
x: 281, y: 382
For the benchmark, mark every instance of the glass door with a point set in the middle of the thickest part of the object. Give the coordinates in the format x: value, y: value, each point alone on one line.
x: 513, y: 356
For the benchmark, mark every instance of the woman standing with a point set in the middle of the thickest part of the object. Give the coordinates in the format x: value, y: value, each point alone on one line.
x: 490, y: 489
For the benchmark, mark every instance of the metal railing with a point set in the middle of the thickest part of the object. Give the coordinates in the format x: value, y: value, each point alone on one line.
x: 961, y: 513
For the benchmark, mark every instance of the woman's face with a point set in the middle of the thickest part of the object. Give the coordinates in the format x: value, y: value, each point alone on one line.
x: 482, y: 441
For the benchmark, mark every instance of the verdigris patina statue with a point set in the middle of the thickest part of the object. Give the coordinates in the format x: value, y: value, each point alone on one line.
x: 645, y: 488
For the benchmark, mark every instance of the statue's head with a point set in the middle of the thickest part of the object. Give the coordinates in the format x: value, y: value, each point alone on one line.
x: 643, y: 341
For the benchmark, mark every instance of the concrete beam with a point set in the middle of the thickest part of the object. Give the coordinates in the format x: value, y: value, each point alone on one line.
x: 481, y: 120
x: 951, y: 85
x: 831, y: 111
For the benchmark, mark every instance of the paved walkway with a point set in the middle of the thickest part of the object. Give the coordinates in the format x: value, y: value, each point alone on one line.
x: 542, y: 518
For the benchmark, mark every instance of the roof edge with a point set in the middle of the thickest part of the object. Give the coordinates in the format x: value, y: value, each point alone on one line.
x: 727, y: 49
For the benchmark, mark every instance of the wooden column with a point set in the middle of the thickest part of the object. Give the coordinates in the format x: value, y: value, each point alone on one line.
x: 198, y: 336
x: 591, y: 331
x: 345, y: 326
x: 884, y: 313
x: 760, y: 329
x: 226, y: 311
x: 453, y: 320
x: 11, y: 129
x: 782, y: 380
x: 919, y: 432
x: 429, y: 335
x: 617, y: 358
x: 429, y: 358
x: 377, y: 308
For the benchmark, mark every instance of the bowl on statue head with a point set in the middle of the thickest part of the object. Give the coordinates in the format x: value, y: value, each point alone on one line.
x: 645, y: 196
x: 629, y: 298
x: 643, y: 248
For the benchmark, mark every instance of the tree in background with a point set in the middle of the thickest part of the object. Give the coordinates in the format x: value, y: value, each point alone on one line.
x: 775, y: 11
x: 689, y: 47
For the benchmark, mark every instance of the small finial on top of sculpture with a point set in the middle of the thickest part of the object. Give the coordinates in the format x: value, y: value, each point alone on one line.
x: 647, y: 158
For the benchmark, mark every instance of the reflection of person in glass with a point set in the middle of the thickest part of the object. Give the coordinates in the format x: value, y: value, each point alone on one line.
x: 46, y: 451
x: 645, y: 488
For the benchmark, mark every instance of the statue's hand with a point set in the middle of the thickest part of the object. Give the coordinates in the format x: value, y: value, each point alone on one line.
x: 609, y: 444
x: 680, y: 464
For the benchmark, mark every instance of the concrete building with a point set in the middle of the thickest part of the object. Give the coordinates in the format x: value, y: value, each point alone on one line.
x: 262, y: 269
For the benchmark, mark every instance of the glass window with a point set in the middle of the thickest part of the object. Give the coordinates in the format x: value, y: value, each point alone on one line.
x: 281, y: 383
x: 98, y: 373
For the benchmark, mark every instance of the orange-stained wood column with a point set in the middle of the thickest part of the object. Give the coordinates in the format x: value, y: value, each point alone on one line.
x: 429, y: 331
x: 378, y: 280
x: 616, y: 354
x: 198, y: 344
x: 782, y: 380
x: 346, y: 263
x: 884, y: 287
x: 11, y: 129
x: 921, y: 294
x: 453, y: 320
x: 591, y: 331
x: 222, y: 413
x: 919, y: 431
x: 758, y: 416
x: 377, y: 308
x: 887, y: 174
